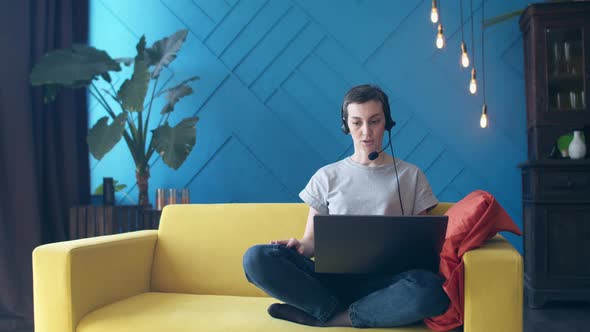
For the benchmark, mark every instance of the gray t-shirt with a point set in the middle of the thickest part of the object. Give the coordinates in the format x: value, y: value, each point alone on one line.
x: 347, y: 187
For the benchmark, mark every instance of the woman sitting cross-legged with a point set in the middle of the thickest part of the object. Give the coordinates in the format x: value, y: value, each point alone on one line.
x: 369, y: 182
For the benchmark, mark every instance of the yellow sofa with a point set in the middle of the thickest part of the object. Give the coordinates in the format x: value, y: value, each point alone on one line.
x: 187, y: 276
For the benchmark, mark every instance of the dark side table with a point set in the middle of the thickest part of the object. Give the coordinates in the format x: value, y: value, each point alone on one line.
x: 95, y: 220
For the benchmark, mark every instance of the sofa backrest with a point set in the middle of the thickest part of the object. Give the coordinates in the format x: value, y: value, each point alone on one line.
x: 200, y: 246
x: 441, y: 208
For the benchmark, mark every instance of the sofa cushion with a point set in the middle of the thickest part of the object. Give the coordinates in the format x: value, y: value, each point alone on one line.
x: 156, y: 312
x: 466, y: 216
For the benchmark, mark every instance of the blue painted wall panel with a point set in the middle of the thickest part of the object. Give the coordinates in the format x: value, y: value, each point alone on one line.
x: 191, y: 15
x: 216, y: 10
x: 273, y: 73
x: 329, y: 82
x: 271, y: 46
x: 449, y: 195
x: 427, y: 152
x: 443, y: 171
x: 360, y: 27
x: 406, y: 137
x: 282, y: 66
x: 225, y: 180
x: 233, y: 25
x: 300, y: 88
x: 343, y: 63
x: 307, y: 129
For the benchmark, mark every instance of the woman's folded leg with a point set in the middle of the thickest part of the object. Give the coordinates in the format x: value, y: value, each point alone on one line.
x: 409, y: 298
x: 289, y: 276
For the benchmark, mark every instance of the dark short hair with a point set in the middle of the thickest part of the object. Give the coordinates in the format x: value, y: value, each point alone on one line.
x: 364, y: 93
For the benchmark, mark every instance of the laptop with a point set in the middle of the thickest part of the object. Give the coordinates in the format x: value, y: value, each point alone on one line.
x: 378, y: 244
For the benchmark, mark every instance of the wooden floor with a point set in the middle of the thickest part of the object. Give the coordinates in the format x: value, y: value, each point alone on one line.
x: 558, y: 317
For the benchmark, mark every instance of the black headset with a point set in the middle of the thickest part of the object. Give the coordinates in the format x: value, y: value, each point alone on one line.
x: 389, y: 123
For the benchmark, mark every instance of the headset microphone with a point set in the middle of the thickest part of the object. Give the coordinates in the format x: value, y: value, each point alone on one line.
x: 373, y: 155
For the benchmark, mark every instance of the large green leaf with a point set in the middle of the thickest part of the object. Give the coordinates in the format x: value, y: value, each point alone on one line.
x: 132, y: 92
x: 50, y: 91
x: 163, y: 51
x: 67, y: 67
x: 102, y: 137
x: 174, y: 94
x: 175, y: 143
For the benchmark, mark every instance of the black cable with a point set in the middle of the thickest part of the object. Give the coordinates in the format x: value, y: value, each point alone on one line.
x: 399, y: 193
x: 462, y: 36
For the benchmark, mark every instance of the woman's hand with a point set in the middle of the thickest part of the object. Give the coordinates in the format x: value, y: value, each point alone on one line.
x: 291, y: 243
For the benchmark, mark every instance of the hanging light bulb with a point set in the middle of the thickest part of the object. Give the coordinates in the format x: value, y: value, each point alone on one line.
x: 483, y: 121
x: 434, y: 12
x: 440, y: 39
x: 473, y: 82
x: 464, y: 56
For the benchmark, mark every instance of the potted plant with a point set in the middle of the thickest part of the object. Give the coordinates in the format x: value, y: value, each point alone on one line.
x: 83, y: 66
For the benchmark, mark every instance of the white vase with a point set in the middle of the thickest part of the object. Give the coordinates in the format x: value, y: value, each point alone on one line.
x: 577, y: 148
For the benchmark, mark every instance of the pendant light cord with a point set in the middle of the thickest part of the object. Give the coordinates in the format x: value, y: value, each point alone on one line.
x: 462, y: 35
x: 472, y: 38
x: 483, y: 62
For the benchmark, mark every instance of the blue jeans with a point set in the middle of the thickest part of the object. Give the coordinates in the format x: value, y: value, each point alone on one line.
x: 371, y: 301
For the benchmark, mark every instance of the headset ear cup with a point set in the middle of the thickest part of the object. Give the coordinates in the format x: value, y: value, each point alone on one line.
x: 390, y: 124
x: 345, y: 129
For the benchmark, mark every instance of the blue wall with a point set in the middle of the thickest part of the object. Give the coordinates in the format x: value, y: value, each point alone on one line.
x: 273, y: 73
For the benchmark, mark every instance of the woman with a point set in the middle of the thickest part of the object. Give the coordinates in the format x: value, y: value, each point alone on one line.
x: 367, y: 183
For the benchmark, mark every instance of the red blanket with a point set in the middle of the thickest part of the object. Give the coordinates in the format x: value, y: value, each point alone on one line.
x: 472, y: 221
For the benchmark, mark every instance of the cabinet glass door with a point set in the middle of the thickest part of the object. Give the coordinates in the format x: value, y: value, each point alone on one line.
x: 565, y: 69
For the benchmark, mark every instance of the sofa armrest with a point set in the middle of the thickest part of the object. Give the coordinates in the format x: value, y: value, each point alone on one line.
x: 72, y: 278
x: 493, y: 288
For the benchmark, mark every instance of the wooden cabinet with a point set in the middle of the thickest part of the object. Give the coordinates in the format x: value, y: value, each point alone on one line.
x: 556, y: 209
x: 557, y: 57
x: 556, y: 192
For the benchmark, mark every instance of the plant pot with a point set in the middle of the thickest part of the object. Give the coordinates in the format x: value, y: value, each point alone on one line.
x: 142, y: 174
